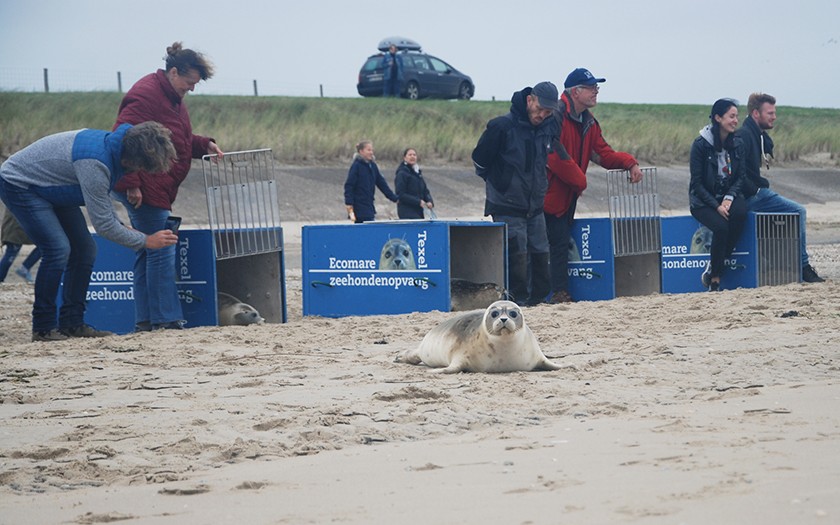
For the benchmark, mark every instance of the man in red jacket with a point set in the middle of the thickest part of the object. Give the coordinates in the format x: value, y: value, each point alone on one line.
x: 583, y: 141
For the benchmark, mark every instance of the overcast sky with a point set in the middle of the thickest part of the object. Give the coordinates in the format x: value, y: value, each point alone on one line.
x: 650, y: 51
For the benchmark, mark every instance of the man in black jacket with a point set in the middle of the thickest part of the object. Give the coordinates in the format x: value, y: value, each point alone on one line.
x: 758, y: 152
x: 511, y: 157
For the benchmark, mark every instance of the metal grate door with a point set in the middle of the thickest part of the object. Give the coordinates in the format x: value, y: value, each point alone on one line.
x: 777, y: 239
x: 634, y: 213
x: 242, y: 203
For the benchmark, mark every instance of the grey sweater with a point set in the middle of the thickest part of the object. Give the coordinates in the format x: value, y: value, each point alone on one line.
x: 48, y: 165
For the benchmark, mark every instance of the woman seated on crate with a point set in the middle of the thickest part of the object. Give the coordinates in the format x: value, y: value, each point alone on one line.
x: 715, y: 196
x: 411, y: 187
x: 148, y: 197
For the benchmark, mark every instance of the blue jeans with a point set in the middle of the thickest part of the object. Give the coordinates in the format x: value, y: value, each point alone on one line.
x: 156, y: 298
x: 9, y: 255
x: 768, y: 201
x: 67, y: 249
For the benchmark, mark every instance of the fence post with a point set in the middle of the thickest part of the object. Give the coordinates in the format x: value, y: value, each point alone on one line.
x: 321, y: 86
x: 46, y: 81
x: 256, y: 94
x: 119, y: 81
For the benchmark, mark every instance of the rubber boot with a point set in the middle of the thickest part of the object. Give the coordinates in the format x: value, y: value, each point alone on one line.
x: 540, y: 279
x: 518, y: 278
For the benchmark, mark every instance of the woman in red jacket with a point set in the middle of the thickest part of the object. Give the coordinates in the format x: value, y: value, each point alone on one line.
x: 148, y: 197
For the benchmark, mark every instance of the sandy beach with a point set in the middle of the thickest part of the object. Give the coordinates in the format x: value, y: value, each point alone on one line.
x: 681, y: 409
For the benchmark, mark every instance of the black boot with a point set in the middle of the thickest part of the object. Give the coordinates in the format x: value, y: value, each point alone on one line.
x: 540, y: 279
x: 518, y: 278
x: 809, y: 275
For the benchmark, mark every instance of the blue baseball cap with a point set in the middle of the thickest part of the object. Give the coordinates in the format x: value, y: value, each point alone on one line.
x: 581, y: 77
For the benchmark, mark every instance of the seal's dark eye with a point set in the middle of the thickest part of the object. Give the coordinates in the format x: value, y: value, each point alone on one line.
x: 513, y: 314
x: 494, y: 314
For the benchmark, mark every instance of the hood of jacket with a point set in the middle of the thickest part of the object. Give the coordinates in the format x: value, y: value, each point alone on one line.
x: 706, y: 133
x: 519, y: 104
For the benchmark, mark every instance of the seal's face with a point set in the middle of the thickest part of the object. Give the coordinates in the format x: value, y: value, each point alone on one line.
x: 503, y: 318
x: 396, y: 255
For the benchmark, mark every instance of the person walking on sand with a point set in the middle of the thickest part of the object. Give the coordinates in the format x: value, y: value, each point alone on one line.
x: 413, y: 193
x: 13, y: 238
x: 758, y: 154
x: 362, y: 180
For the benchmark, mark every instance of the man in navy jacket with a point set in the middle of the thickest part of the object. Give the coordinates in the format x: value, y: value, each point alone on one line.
x: 758, y: 152
x: 511, y: 157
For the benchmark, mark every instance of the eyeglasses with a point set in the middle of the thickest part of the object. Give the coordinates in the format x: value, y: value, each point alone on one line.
x: 593, y: 87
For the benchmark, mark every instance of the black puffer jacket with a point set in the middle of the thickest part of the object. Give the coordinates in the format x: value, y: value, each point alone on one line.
x: 511, y: 157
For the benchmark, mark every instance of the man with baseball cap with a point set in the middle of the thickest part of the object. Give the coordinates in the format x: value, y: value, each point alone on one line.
x: 581, y: 137
x: 511, y: 157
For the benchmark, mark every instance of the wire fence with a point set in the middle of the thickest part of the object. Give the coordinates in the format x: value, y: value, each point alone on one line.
x: 33, y: 80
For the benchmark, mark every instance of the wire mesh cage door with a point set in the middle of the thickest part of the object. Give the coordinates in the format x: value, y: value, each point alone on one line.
x: 634, y: 213
x: 242, y: 203
x: 777, y: 238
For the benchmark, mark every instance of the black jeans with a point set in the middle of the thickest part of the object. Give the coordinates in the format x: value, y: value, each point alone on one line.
x: 725, y: 233
x: 559, y: 230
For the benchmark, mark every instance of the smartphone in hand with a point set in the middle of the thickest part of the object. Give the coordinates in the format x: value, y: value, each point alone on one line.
x: 173, y: 223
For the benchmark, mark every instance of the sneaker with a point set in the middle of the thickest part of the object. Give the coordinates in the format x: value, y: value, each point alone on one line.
x: 809, y: 275
x: 706, y: 277
x: 25, y: 274
x: 49, y: 335
x: 143, y: 326
x: 714, y: 286
x: 559, y: 297
x: 172, y: 325
x: 85, y: 331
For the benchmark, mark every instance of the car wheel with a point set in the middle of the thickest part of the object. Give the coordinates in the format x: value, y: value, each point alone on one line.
x: 412, y: 91
x: 464, y: 92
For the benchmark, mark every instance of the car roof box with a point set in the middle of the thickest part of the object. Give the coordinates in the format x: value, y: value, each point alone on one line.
x: 401, y: 43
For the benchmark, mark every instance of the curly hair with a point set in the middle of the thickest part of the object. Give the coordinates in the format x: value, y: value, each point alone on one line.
x: 148, y: 147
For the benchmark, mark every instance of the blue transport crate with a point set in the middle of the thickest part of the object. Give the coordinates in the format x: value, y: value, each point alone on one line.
x: 256, y: 279
x: 396, y: 267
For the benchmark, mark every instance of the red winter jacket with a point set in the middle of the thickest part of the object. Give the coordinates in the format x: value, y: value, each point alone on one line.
x: 154, y: 98
x: 583, y: 141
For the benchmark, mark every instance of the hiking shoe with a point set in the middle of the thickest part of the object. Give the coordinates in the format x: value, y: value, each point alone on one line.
x: 809, y: 275
x: 25, y: 274
x: 49, y: 335
x: 561, y: 296
x: 172, y: 325
x: 706, y: 277
x: 85, y: 331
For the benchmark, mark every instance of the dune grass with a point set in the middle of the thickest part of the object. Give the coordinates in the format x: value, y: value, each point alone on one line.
x: 325, y: 130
